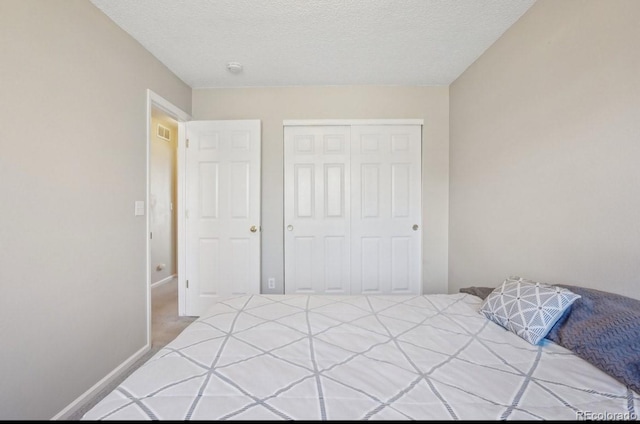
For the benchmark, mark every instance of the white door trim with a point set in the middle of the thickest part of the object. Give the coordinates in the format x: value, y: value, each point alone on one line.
x: 309, y: 122
x: 156, y: 101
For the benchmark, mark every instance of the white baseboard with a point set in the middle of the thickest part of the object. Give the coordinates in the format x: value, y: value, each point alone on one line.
x: 163, y: 281
x: 76, y: 404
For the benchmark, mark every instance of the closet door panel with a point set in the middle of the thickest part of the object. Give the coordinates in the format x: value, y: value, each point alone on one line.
x: 400, y: 264
x: 336, y: 264
x: 370, y: 264
x: 370, y: 195
x: 386, y: 209
x: 303, y: 258
x: 304, y: 190
x: 317, y: 209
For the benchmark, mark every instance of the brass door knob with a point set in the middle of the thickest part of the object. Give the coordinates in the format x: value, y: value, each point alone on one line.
x: 253, y: 229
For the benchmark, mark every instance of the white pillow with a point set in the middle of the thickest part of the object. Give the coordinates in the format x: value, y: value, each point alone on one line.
x: 527, y: 308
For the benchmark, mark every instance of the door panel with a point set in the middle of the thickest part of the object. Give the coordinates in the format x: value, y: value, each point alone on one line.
x: 209, y: 266
x: 369, y: 263
x: 240, y: 183
x: 386, y: 204
x: 304, y: 190
x: 223, y: 203
x: 304, y: 258
x: 208, y: 181
x: 400, y: 190
x: 317, y: 198
x: 400, y: 263
x: 336, y: 262
x: 369, y: 190
x: 334, y: 190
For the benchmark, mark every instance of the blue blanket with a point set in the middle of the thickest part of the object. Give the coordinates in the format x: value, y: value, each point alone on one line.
x: 603, y: 329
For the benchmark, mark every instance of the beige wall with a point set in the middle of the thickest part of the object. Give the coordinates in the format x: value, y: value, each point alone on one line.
x: 545, y: 151
x: 162, y: 217
x: 72, y: 253
x: 273, y: 105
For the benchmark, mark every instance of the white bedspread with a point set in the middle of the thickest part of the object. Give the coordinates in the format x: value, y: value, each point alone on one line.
x: 360, y: 357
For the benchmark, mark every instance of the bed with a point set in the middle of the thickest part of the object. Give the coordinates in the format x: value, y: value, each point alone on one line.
x: 321, y: 357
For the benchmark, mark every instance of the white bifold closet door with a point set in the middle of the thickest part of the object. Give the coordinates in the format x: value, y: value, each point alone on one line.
x: 353, y: 209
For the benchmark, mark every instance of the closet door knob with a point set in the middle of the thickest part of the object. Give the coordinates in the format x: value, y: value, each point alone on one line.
x: 253, y: 229
x: 415, y: 227
x: 289, y: 227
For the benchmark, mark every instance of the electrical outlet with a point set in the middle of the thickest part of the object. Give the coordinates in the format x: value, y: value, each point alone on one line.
x: 271, y: 283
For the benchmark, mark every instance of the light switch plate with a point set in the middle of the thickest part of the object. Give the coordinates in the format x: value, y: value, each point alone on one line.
x: 139, y: 208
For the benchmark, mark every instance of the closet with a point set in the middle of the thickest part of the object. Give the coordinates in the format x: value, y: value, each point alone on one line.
x: 352, y: 207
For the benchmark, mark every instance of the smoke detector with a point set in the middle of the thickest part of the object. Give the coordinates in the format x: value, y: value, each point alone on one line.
x: 234, y: 67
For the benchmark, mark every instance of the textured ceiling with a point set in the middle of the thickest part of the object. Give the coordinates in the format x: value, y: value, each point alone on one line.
x: 324, y: 42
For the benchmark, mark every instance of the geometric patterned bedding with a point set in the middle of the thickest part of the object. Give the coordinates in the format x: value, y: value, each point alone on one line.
x: 319, y: 357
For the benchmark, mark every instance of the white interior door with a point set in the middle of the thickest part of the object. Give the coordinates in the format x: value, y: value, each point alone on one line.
x: 223, y: 211
x: 316, y: 209
x: 386, y: 209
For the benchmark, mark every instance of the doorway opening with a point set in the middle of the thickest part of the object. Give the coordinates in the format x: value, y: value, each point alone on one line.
x: 163, y: 223
x: 163, y: 150
x: 166, y: 324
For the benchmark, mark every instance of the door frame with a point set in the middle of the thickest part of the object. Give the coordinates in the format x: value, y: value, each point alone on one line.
x: 158, y: 102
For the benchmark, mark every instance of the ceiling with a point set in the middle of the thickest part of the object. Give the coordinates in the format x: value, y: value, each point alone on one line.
x: 322, y: 42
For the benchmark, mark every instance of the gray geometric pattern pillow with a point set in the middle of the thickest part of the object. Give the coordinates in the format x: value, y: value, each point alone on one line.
x: 527, y: 308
